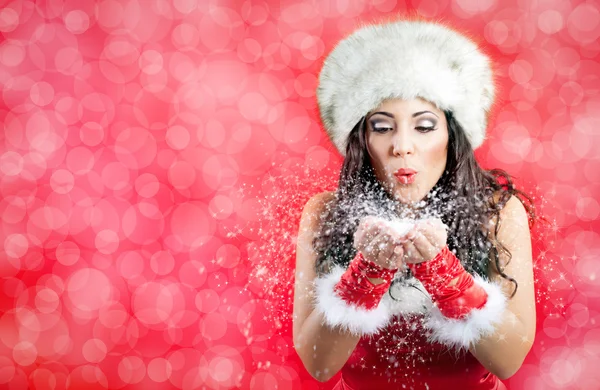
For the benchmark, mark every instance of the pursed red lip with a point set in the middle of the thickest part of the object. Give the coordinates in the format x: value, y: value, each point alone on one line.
x: 405, y: 175
x: 404, y: 171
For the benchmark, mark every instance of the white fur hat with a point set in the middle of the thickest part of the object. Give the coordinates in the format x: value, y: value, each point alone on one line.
x: 405, y: 59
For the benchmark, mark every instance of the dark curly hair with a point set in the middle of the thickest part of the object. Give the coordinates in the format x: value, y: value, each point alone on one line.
x: 463, y: 198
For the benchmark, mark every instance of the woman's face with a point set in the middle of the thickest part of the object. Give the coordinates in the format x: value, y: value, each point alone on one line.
x: 410, y: 135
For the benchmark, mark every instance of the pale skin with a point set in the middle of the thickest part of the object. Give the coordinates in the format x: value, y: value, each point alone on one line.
x: 404, y: 144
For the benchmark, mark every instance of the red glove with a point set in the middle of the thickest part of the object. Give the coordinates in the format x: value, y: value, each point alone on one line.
x: 355, y: 287
x: 454, y: 301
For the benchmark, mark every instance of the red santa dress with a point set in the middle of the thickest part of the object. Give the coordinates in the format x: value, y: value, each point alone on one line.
x: 403, y: 354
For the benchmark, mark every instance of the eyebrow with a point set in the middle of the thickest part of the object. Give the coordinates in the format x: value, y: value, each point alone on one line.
x: 392, y: 115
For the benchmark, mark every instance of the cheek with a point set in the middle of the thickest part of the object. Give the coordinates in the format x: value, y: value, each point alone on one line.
x: 376, y: 152
x: 437, y: 159
x: 438, y: 153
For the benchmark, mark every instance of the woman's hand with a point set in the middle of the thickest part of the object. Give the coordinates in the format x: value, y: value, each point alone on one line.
x: 379, y: 243
x: 424, y: 241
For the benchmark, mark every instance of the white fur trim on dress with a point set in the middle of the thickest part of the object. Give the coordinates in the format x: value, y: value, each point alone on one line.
x: 405, y: 59
x: 461, y: 333
x: 339, y: 313
x: 409, y: 298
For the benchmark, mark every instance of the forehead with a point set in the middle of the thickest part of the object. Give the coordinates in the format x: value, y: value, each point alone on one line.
x: 407, y: 105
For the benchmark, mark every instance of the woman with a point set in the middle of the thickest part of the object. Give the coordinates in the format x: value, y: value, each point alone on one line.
x: 417, y: 271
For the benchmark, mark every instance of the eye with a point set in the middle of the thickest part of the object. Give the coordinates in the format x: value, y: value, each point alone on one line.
x: 381, y: 129
x: 424, y: 129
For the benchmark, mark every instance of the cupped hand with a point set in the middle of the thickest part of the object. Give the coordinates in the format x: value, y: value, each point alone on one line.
x: 379, y: 243
x: 424, y: 241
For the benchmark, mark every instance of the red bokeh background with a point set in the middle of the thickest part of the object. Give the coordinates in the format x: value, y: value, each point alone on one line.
x: 156, y: 155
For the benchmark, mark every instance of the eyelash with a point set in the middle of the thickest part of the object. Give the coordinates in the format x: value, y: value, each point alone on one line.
x: 422, y: 129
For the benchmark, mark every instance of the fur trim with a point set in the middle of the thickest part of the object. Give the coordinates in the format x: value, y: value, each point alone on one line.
x: 461, y: 333
x: 339, y: 313
x: 409, y: 298
x: 405, y: 59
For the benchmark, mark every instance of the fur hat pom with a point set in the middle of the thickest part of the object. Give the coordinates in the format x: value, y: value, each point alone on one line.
x: 405, y: 59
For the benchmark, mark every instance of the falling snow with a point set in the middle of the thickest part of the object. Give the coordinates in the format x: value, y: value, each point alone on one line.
x: 156, y: 156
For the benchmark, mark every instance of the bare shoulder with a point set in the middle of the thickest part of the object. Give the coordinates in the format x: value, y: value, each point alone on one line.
x: 512, y: 215
x: 319, y: 202
x: 515, y: 237
x: 306, y: 256
x: 310, y: 222
x: 516, y: 261
x: 314, y: 209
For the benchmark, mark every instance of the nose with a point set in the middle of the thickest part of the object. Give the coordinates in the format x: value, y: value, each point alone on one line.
x: 403, y: 143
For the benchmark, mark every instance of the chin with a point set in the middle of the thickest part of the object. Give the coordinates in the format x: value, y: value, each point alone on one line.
x: 406, y: 195
x: 404, y: 198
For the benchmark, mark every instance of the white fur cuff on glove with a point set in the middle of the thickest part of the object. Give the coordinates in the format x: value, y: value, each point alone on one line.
x: 461, y: 333
x: 345, y: 315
